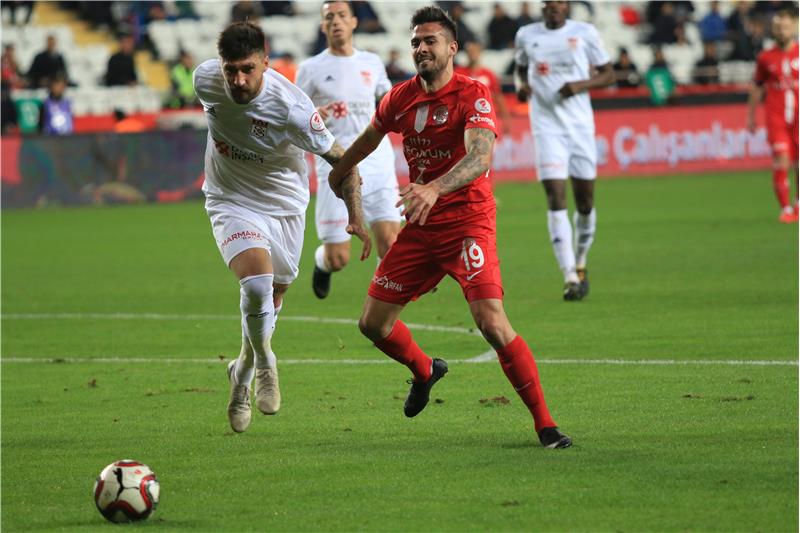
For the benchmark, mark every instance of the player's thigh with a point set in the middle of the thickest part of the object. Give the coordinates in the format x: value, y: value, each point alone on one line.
x: 243, y: 240
x: 385, y: 232
x: 556, y: 192
x: 468, y: 253
x: 408, y: 270
x: 583, y: 155
x: 286, y: 246
x: 552, y: 156
x: 330, y: 215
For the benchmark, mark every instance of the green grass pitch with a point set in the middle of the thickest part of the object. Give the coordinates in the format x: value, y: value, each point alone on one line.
x: 684, y: 269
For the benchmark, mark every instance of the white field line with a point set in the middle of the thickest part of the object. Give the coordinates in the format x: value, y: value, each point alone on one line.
x: 578, y: 362
x: 485, y: 357
x: 158, y: 316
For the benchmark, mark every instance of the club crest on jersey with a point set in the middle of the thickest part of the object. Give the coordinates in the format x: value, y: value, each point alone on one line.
x: 482, y: 105
x: 366, y: 77
x: 259, y: 128
x: 316, y: 123
x: 573, y: 43
x: 440, y: 115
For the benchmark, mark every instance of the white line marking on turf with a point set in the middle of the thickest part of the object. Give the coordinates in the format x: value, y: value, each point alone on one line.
x: 158, y: 316
x: 580, y: 362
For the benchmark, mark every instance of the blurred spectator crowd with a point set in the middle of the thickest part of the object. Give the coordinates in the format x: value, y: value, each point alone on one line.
x: 678, y: 41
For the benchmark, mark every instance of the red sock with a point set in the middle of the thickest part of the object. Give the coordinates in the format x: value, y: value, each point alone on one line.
x: 400, y: 346
x: 780, y: 180
x: 520, y: 368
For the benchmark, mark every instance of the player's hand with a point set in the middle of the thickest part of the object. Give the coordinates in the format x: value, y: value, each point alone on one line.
x: 570, y: 89
x: 751, y: 124
x: 524, y: 93
x: 324, y: 111
x: 356, y: 227
x: 417, y: 200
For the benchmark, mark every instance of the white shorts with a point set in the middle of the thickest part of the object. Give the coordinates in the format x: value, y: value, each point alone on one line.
x: 331, y: 213
x: 237, y: 229
x: 562, y: 156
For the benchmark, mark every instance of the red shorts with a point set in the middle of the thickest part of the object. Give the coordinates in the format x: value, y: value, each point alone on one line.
x: 782, y: 137
x: 466, y: 250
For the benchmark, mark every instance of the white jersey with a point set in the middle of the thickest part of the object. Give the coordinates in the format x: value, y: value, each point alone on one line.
x: 553, y: 58
x: 351, y: 84
x: 254, y: 154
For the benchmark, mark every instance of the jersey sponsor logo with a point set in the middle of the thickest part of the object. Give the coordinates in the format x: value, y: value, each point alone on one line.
x: 259, y: 128
x: 414, y: 152
x: 386, y: 283
x: 480, y: 119
x: 247, y: 234
x: 235, y: 153
x: 440, y: 115
x: 482, y: 105
x: 316, y: 123
x: 366, y: 77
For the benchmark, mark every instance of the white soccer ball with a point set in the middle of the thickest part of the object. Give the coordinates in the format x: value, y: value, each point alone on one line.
x: 126, y: 491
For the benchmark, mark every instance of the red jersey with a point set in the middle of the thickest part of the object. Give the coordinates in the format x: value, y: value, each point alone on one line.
x: 777, y: 71
x: 483, y: 75
x: 433, y: 126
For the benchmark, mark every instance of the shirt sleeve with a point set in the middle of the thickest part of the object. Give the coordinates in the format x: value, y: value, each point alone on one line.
x: 306, y: 129
x: 383, y: 84
x: 520, y: 57
x: 383, y: 120
x: 479, y: 109
x: 595, y: 49
x: 303, y: 79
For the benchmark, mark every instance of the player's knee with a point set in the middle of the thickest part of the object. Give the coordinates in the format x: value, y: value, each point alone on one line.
x: 494, y: 328
x: 337, y: 259
x: 373, y: 329
x: 584, y: 205
x: 256, y: 293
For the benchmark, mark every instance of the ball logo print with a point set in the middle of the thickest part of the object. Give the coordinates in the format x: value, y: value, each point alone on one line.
x: 482, y: 105
x: 126, y: 491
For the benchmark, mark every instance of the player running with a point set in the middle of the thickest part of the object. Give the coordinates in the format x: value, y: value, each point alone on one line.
x: 777, y: 75
x: 256, y: 189
x: 344, y: 83
x: 558, y: 61
x: 448, y: 126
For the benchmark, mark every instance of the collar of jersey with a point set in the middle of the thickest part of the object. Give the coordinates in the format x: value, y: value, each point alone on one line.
x: 449, y: 88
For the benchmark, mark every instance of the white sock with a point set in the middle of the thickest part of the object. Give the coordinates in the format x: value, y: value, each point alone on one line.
x: 561, y: 238
x: 258, y: 314
x: 319, y: 259
x: 244, y: 370
x: 584, y: 235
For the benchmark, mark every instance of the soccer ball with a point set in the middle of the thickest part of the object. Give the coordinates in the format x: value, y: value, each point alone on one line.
x: 126, y: 491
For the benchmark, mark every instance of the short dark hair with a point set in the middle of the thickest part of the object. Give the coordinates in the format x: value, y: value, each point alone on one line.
x: 435, y: 14
x: 240, y: 40
x: 349, y: 5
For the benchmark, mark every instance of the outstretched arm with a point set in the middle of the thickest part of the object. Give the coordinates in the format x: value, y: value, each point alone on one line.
x: 365, y: 144
x: 419, y: 199
x: 350, y: 189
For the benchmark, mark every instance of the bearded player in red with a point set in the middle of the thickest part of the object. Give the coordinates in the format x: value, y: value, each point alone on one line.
x: 448, y: 128
x: 776, y: 74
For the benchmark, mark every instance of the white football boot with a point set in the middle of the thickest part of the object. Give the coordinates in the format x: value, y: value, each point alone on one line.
x: 239, y: 402
x: 268, y: 392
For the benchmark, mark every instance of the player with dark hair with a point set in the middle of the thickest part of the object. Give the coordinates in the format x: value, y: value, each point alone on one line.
x: 777, y: 75
x: 558, y: 62
x: 345, y: 83
x: 448, y: 126
x: 256, y: 187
